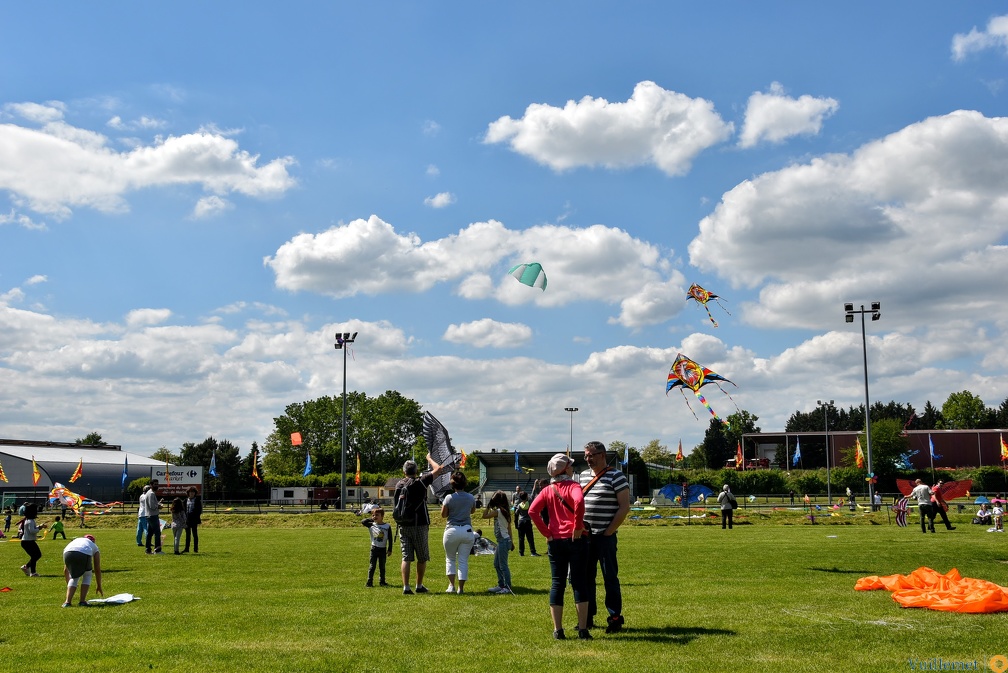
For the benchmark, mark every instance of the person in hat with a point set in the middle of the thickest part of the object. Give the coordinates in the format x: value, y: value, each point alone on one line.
x: 81, y: 559
x: 565, y: 541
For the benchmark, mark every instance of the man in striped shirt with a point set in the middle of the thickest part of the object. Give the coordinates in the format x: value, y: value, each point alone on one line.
x: 607, y: 503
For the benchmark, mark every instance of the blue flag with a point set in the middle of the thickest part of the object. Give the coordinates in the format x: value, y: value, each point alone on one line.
x: 213, y: 464
x: 307, y: 467
x: 125, y: 471
x: 517, y: 466
x: 626, y: 455
x: 797, y: 453
x: 934, y: 456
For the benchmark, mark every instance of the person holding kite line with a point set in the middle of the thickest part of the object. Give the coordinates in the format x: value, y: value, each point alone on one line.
x: 607, y: 503
x: 142, y: 517
x: 414, y: 534
x: 81, y: 558
x: 458, y: 538
x: 30, y: 531
x: 567, y: 547
x: 939, y: 505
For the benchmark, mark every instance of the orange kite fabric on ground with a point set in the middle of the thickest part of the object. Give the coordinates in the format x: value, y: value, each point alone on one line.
x: 951, y: 592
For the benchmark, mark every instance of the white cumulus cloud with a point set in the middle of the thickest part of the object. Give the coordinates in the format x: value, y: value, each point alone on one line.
x: 487, y: 333
x: 995, y: 36
x: 774, y: 116
x: 655, y: 127
x: 440, y: 200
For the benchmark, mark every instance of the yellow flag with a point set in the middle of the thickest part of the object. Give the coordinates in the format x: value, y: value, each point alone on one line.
x: 36, y: 475
x: 859, y: 456
x: 255, y: 466
x: 2, y: 475
x: 357, y: 476
x: 78, y: 472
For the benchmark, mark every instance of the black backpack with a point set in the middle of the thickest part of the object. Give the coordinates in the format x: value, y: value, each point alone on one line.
x: 401, y: 513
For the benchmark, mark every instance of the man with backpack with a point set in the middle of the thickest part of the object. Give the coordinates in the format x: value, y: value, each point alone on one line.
x: 728, y: 504
x: 411, y: 516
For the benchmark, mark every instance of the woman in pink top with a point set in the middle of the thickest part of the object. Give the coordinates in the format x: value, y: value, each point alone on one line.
x: 568, y: 548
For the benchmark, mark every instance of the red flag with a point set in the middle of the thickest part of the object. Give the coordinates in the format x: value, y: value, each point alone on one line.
x: 859, y: 456
x: 78, y: 472
x: 357, y: 476
x: 255, y: 466
x: 463, y: 461
x: 296, y: 438
x: 679, y: 455
x: 36, y: 475
x: 739, y: 459
x: 1004, y: 450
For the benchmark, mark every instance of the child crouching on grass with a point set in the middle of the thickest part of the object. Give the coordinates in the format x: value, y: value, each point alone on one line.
x: 499, y: 510
x: 381, y: 545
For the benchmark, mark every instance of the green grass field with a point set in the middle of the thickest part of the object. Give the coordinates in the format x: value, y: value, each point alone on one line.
x: 286, y: 593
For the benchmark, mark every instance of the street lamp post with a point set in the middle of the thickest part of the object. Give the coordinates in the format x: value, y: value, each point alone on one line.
x: 825, y: 406
x: 342, y: 341
x: 571, y: 410
x: 875, y: 312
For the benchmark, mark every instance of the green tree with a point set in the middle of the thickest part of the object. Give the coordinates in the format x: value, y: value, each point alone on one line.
x: 166, y: 455
x: 91, y: 439
x: 226, y: 461
x: 930, y: 418
x: 888, y: 445
x: 740, y: 423
x: 656, y: 452
x: 716, y: 449
x: 964, y: 411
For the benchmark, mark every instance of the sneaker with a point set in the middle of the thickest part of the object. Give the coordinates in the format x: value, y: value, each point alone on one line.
x: 450, y: 589
x: 34, y: 575
x: 383, y: 584
x: 159, y: 552
x: 149, y: 552
x: 584, y: 634
x: 369, y: 584
x: 65, y: 605
x: 951, y: 527
x: 614, y: 624
x: 421, y: 589
x: 559, y: 635
x: 534, y: 554
x: 495, y: 590
x: 407, y: 591
x: 84, y: 604
x: 25, y: 570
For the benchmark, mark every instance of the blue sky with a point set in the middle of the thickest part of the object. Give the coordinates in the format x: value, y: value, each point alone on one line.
x: 195, y: 197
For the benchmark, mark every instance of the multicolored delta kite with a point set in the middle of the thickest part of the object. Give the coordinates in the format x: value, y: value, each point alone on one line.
x: 688, y: 374
x: 702, y: 296
x: 531, y: 274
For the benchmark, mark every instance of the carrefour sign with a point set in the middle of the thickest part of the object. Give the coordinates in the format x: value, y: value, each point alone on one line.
x: 180, y: 475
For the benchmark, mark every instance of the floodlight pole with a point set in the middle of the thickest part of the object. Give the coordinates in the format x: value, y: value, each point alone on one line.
x: 571, y: 410
x: 825, y: 406
x: 849, y: 317
x: 342, y: 339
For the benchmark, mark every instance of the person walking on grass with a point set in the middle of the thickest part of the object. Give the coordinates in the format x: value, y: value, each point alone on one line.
x: 413, y: 535
x: 497, y: 509
x: 142, y: 518
x: 81, y: 560
x: 29, y: 537
x: 939, y: 506
x: 607, y: 503
x: 922, y: 493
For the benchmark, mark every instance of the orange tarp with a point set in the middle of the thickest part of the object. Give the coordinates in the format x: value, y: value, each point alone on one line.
x: 951, y: 592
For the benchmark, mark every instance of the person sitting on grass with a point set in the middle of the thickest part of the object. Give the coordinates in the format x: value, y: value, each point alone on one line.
x: 81, y: 558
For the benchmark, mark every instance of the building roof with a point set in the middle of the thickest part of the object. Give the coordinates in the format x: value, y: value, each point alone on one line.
x: 101, y: 472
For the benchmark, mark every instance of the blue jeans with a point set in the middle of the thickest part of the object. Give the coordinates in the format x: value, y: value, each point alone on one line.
x: 501, y: 562
x: 141, y: 529
x: 602, y: 554
x: 568, y: 558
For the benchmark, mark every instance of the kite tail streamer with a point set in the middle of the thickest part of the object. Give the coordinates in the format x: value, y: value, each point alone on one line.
x: 703, y: 401
x: 729, y: 396
x: 710, y: 316
x: 690, y: 406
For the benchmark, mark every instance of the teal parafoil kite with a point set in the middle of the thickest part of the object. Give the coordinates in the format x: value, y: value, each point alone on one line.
x: 530, y: 274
